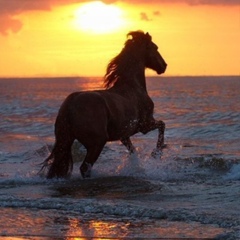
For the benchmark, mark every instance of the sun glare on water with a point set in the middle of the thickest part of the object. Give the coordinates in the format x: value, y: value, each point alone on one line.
x: 98, y: 17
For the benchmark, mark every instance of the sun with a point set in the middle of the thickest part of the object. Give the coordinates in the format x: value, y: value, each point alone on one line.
x: 98, y: 17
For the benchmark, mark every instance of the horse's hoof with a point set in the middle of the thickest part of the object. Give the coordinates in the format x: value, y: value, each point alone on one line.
x: 85, y: 175
x: 157, y: 153
x: 85, y: 170
x: 164, y: 146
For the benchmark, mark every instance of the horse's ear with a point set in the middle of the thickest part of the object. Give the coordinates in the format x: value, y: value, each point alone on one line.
x: 148, y: 36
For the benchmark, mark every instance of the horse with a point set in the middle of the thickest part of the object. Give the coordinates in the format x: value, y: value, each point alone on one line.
x: 117, y: 112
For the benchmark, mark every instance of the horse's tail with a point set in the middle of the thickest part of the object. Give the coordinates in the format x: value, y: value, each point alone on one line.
x: 47, y: 162
x: 60, y: 162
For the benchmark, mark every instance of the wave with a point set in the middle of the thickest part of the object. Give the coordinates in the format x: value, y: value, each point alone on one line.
x: 173, y: 188
x: 73, y: 205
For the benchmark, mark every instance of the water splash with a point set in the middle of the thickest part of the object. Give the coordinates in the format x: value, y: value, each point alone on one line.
x: 234, y: 173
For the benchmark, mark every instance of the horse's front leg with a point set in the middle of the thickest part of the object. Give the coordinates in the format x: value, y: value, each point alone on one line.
x: 160, y: 125
x: 128, y: 144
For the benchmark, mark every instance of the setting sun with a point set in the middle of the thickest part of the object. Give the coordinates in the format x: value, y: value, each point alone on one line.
x: 98, y: 17
x: 69, y: 37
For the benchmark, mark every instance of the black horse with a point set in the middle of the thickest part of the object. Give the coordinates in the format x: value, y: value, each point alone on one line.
x: 123, y: 109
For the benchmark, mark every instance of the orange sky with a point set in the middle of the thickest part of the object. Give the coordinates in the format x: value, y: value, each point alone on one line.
x: 73, y: 38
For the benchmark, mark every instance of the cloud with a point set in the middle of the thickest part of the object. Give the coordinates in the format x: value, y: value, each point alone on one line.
x: 213, y: 2
x: 10, y: 9
x: 9, y: 23
x: 156, y: 13
x: 16, y: 6
x: 144, y: 16
x: 190, y: 2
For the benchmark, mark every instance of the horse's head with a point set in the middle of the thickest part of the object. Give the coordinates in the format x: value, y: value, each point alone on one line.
x: 139, y: 51
x: 153, y: 58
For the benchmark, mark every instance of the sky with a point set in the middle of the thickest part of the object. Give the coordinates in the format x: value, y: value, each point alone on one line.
x: 51, y: 38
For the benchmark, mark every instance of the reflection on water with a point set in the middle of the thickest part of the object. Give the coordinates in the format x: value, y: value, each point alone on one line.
x: 89, y: 84
x: 49, y: 224
x: 195, y: 110
x: 29, y: 108
x: 132, y: 229
x: 97, y: 229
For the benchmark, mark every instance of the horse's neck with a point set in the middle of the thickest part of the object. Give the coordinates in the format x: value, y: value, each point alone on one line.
x: 132, y: 80
x: 140, y: 80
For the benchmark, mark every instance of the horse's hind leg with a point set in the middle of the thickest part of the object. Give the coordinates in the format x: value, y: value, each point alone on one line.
x: 93, y: 153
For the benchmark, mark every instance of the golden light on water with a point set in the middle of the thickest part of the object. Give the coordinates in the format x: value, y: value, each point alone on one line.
x: 100, y: 229
x: 96, y: 229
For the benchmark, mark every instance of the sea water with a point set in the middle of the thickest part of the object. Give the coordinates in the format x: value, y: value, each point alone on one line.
x: 191, y: 191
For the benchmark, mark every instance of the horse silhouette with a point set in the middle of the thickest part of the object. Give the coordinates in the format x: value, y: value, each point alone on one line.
x: 123, y: 109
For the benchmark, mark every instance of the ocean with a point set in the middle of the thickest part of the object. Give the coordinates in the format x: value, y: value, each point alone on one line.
x: 191, y: 192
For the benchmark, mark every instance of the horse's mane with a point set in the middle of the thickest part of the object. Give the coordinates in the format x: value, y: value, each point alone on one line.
x: 118, y: 65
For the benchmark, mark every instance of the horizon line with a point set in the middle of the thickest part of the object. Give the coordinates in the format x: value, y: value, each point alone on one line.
x: 79, y: 76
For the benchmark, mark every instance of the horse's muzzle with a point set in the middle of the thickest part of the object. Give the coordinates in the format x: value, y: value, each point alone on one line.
x: 163, y: 69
